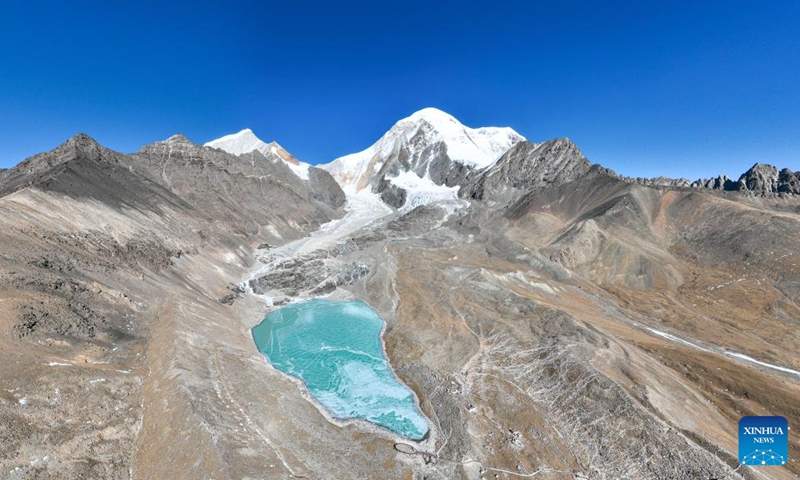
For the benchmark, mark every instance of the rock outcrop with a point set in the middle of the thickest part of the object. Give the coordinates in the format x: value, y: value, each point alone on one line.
x: 764, y: 179
x: 761, y: 180
x: 526, y: 166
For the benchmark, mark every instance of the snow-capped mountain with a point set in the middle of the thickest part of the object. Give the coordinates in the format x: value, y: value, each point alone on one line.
x: 246, y: 141
x: 422, y: 157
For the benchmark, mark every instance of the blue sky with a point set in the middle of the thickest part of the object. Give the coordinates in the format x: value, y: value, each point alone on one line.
x: 687, y: 89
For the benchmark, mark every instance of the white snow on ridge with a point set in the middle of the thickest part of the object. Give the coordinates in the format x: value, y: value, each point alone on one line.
x: 473, y: 146
x: 246, y: 141
x: 239, y: 143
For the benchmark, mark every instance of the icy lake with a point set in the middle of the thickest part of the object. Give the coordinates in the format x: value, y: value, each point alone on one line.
x: 335, y: 348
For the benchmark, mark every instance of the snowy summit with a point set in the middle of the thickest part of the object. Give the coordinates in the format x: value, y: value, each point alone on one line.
x: 475, y: 147
x: 246, y: 141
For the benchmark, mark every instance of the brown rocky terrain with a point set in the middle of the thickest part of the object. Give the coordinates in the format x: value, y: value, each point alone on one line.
x: 91, y: 243
x: 559, y: 322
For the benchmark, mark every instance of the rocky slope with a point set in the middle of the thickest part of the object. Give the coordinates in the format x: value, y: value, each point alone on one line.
x: 525, y: 167
x: 90, y: 241
x: 324, y: 187
x: 556, y: 322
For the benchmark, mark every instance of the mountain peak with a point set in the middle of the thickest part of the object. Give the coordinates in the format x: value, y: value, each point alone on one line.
x: 431, y: 143
x: 81, y: 139
x: 245, y: 141
x: 177, y: 138
x: 80, y: 147
x: 477, y: 147
x: 762, y: 178
x: 527, y: 166
x: 432, y: 115
x: 80, y: 144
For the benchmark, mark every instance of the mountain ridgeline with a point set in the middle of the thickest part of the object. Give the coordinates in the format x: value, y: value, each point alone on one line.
x: 760, y: 179
x: 551, y: 317
x: 432, y: 149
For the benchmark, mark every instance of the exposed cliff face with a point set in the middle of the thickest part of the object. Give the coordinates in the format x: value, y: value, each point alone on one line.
x: 324, y: 188
x: 788, y: 181
x: 764, y: 179
x: 420, y: 157
x: 526, y: 167
x: 760, y: 179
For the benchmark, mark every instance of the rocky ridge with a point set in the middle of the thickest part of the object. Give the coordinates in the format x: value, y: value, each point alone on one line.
x: 525, y: 167
x: 90, y: 246
x: 557, y: 321
x: 423, y: 159
x: 760, y: 180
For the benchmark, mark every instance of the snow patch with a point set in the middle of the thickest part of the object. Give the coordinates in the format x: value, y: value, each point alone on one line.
x: 521, y: 276
x: 763, y: 364
x: 58, y: 364
x: 676, y: 339
x: 729, y: 353
x: 274, y: 231
x: 239, y: 143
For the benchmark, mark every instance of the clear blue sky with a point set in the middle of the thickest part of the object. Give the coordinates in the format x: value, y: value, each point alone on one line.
x: 677, y: 88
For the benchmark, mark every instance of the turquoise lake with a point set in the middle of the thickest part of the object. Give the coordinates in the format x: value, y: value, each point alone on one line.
x: 335, y: 348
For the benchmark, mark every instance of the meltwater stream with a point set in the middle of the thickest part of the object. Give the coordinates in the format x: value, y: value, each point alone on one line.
x: 336, y: 349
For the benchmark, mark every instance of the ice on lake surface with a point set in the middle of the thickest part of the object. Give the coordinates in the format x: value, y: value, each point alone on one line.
x: 336, y: 349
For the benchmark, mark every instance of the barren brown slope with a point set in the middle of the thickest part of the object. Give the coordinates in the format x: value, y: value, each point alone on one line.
x: 577, y: 326
x: 524, y: 367
x: 573, y: 333
x: 717, y: 270
x: 88, y: 247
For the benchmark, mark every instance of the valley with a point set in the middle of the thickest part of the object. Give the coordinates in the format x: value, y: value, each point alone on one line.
x: 553, y: 319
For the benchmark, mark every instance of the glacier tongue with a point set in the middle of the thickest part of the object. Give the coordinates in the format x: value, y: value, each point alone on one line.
x: 422, y: 191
